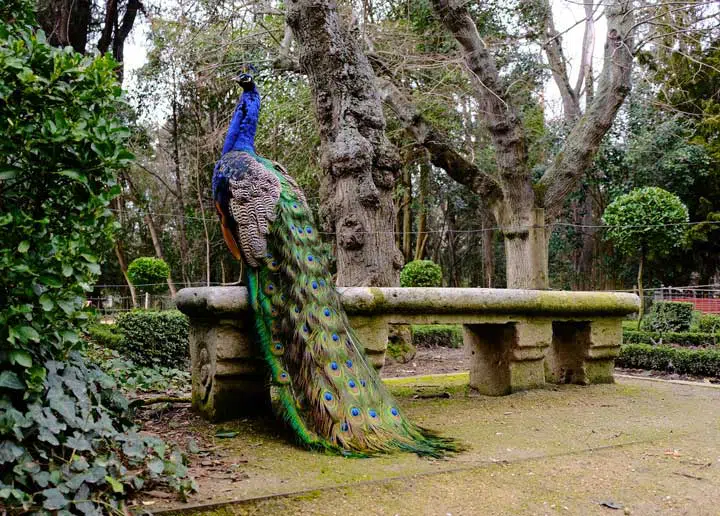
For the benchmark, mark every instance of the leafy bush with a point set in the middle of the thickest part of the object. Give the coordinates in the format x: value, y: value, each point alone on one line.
x: 131, y: 378
x: 700, y: 362
x: 66, y: 442
x: 709, y: 323
x: 430, y: 335
x: 149, y: 274
x: 421, y: 273
x: 678, y: 339
x: 106, y: 335
x: 155, y: 338
x: 669, y: 316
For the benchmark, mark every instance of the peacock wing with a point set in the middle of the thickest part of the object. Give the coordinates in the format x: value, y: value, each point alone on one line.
x: 253, y: 192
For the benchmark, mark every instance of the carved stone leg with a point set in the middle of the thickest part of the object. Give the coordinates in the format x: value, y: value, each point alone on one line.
x: 373, y: 334
x: 584, y: 352
x: 605, y: 341
x: 565, y: 359
x: 530, y: 340
x: 229, y: 379
x: 505, y: 358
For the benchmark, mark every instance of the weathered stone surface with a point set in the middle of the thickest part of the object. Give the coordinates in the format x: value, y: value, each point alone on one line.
x: 400, y: 347
x: 515, y: 339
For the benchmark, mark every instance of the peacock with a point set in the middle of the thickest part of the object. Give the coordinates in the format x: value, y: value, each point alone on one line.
x: 327, y: 392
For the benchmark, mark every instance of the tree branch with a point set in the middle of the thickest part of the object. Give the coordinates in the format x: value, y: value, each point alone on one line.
x: 501, y: 118
x: 442, y: 153
x: 556, y: 58
x: 581, y: 145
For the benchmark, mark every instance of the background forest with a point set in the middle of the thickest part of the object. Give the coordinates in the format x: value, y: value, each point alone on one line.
x: 665, y: 132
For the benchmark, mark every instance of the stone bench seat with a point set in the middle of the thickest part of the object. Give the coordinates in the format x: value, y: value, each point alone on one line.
x: 514, y: 339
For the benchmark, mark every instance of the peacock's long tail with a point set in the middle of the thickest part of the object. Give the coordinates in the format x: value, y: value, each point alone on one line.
x: 330, y: 395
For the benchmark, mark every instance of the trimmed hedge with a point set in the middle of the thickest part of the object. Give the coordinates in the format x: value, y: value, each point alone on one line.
x: 155, y: 338
x: 421, y: 273
x: 105, y: 335
x: 669, y: 316
x: 679, y: 339
x: 700, y: 362
x: 709, y: 323
x: 429, y: 335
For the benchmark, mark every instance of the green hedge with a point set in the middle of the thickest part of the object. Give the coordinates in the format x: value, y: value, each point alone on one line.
x: 421, y: 273
x: 677, y: 338
x: 105, y: 335
x: 669, y: 316
x: 154, y: 338
x: 700, y: 362
x: 709, y: 323
x: 429, y: 335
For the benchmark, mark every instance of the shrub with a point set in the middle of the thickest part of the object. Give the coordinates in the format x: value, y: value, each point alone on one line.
x: 709, y: 323
x: 669, y: 316
x: 66, y: 442
x: 429, y: 335
x: 149, y: 274
x: 421, y: 273
x: 700, y: 362
x: 678, y: 339
x: 154, y: 338
x: 105, y: 335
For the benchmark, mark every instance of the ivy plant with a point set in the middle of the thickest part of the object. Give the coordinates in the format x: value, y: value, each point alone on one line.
x: 66, y: 441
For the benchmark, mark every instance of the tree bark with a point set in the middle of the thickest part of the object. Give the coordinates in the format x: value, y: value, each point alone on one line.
x: 65, y: 22
x: 488, y: 247
x: 180, y: 206
x: 641, y: 292
x: 422, y: 236
x: 406, y: 214
x: 359, y: 163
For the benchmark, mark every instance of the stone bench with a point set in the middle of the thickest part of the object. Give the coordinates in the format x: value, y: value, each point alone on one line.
x: 515, y: 339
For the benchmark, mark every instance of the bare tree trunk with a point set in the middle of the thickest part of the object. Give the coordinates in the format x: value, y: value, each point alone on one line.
x: 422, y: 236
x: 124, y: 267
x: 65, y: 22
x: 198, y: 168
x: 180, y: 208
x: 360, y: 165
x: 488, y: 247
x: 406, y: 214
x: 158, y: 249
x: 641, y: 292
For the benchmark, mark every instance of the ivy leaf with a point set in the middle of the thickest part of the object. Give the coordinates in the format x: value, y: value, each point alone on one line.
x: 54, y: 499
x: 10, y: 380
x: 23, y: 247
x: 116, y: 485
x: 46, y: 302
x: 20, y: 357
x: 26, y: 333
x: 67, y: 306
x: 156, y: 466
x: 10, y: 452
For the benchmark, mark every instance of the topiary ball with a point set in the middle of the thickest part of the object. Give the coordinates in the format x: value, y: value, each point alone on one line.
x: 421, y: 273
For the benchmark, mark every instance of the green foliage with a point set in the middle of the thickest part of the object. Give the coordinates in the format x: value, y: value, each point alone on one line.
x: 66, y: 443
x: 647, y: 220
x: 700, y: 362
x: 709, y: 323
x: 421, y: 273
x: 666, y: 316
x: 688, y: 339
x: 105, y: 335
x: 430, y: 335
x: 132, y: 378
x: 149, y: 274
x: 155, y: 338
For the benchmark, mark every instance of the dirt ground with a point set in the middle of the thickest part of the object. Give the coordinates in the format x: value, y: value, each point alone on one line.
x: 637, y: 446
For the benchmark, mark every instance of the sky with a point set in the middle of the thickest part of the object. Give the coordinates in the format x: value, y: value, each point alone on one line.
x: 567, y: 13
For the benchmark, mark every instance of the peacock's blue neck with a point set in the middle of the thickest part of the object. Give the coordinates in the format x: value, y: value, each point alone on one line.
x: 241, y: 133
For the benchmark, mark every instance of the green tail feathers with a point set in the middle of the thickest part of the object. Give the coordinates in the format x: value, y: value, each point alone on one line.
x: 329, y: 394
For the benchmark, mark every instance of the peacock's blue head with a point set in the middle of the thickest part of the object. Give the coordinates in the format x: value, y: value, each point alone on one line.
x: 241, y: 133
